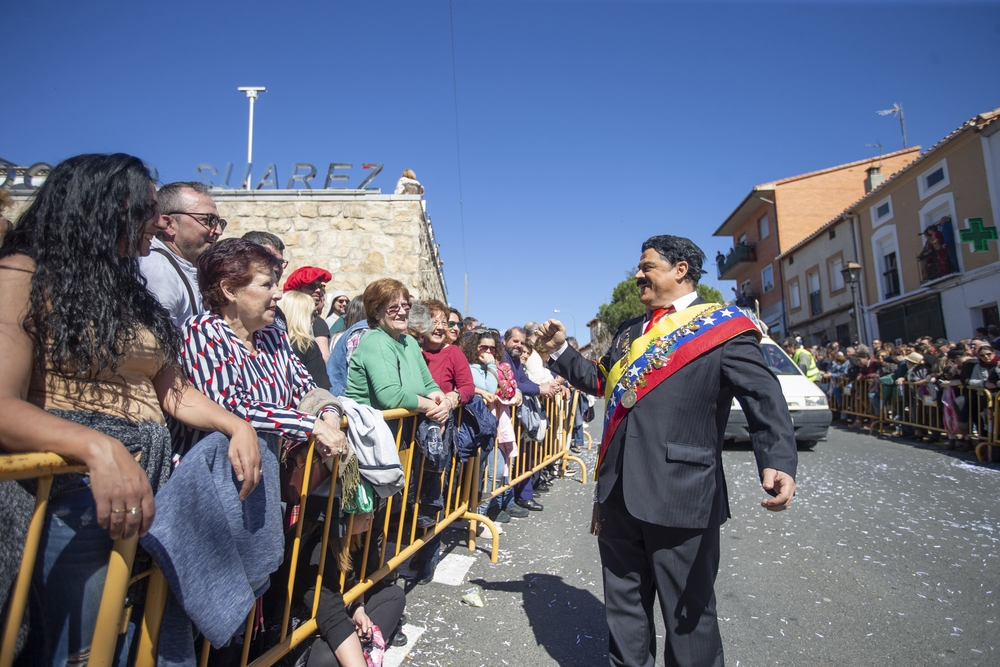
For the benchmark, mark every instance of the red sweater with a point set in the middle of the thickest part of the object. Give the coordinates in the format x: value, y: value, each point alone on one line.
x: 450, y: 370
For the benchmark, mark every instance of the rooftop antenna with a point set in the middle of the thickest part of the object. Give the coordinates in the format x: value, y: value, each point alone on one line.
x: 877, y: 145
x: 896, y: 108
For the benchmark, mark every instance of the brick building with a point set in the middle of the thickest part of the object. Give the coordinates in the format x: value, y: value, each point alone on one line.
x: 776, y: 216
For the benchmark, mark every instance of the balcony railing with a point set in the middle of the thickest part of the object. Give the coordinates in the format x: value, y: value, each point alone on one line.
x: 815, y: 304
x: 936, y: 266
x: 746, y: 298
x: 741, y: 252
x: 938, y: 257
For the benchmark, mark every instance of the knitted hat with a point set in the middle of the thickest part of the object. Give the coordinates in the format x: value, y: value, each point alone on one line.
x: 305, y: 275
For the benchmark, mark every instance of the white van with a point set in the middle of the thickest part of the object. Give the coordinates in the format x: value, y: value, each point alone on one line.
x: 811, y: 415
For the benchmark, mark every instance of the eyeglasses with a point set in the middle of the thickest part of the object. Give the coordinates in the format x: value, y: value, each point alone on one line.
x: 316, y: 287
x: 211, y: 221
x: 394, y: 310
x: 487, y: 348
x: 284, y: 262
x: 453, y: 325
x: 341, y: 299
x: 438, y: 324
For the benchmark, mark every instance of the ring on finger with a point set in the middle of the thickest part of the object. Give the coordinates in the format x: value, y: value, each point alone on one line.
x: 134, y: 510
x: 119, y: 511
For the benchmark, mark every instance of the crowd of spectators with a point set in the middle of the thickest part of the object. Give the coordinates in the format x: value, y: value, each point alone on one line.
x: 928, y: 385
x: 185, y: 374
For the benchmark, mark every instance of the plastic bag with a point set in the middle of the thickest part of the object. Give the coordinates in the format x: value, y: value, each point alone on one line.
x: 432, y: 445
x: 374, y: 648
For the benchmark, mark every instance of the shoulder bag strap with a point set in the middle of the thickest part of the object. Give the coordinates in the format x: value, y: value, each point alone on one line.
x: 180, y: 272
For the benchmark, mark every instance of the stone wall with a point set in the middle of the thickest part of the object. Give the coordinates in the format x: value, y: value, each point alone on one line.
x: 356, y: 235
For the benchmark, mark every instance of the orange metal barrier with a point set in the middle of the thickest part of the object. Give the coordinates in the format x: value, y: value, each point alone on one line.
x: 401, y: 538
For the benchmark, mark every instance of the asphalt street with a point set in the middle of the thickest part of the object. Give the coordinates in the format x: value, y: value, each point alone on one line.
x: 888, y: 556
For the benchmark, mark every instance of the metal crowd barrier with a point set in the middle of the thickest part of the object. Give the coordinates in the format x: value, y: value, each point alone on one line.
x: 532, y: 456
x: 110, y: 617
x: 971, y: 417
x: 401, y: 538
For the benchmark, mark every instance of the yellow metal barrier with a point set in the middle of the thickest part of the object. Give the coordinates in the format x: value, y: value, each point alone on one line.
x: 533, y: 456
x: 460, y: 484
x: 110, y: 615
x: 965, y: 414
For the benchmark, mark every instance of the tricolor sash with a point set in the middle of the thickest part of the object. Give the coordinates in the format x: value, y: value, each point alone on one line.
x: 662, y: 351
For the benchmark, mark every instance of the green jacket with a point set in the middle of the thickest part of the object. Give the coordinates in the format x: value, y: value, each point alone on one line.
x: 386, y: 373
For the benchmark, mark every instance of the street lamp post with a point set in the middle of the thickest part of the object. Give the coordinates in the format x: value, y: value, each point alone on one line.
x: 852, y: 276
x: 571, y: 315
x: 251, y: 92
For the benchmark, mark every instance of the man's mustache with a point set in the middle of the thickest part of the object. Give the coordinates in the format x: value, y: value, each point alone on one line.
x: 641, y: 282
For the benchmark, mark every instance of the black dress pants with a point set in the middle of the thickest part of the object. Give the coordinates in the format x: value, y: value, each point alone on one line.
x: 641, y: 561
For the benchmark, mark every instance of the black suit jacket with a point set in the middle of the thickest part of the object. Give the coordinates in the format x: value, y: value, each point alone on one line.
x: 668, y: 449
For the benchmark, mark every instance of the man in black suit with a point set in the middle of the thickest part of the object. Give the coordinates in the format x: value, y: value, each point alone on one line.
x: 661, y: 495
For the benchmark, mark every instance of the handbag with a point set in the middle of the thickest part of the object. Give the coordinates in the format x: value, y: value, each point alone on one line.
x: 293, y: 472
x: 292, y: 467
x: 506, y: 384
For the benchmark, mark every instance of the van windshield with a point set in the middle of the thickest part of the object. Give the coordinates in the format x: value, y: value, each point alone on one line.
x: 778, y: 361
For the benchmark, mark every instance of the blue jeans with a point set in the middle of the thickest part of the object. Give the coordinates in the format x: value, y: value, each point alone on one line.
x: 581, y: 407
x: 69, y: 577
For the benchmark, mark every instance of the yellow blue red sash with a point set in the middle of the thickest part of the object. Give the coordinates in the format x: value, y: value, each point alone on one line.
x: 662, y: 351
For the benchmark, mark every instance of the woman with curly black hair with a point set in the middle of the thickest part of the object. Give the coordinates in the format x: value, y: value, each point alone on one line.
x: 88, y: 369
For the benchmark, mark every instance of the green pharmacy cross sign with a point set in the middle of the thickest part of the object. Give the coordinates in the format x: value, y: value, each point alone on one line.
x: 978, y: 235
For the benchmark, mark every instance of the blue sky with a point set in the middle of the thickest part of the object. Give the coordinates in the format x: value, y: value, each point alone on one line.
x: 584, y: 127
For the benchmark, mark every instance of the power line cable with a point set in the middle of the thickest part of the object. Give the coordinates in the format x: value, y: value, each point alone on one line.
x: 458, y: 147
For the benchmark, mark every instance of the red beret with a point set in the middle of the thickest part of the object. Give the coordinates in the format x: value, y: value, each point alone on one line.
x: 305, y: 275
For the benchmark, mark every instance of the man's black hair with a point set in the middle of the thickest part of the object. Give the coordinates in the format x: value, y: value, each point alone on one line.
x: 675, y: 249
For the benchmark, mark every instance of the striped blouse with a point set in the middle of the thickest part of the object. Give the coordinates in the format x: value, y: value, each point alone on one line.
x: 258, y: 388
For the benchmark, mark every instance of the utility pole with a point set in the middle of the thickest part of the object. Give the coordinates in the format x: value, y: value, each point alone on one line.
x: 251, y: 92
x: 571, y: 315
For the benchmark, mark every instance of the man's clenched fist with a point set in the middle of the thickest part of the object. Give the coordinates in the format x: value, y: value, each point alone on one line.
x: 551, y: 336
